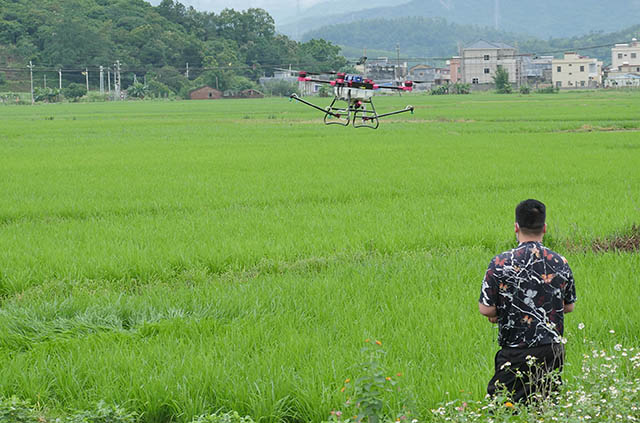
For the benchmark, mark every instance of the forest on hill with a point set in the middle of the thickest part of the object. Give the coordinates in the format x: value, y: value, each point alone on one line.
x: 543, y: 19
x: 231, y: 49
x: 437, y: 38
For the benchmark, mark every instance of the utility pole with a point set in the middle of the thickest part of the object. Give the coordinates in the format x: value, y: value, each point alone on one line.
x: 60, y: 79
x: 109, y: 81
x: 86, y: 77
x: 117, y: 79
x: 101, y: 79
x: 31, y: 77
x: 45, y: 81
x: 398, y: 64
x: 187, y: 73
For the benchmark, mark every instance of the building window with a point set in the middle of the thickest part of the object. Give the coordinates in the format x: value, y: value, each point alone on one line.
x: 487, y: 71
x: 474, y: 81
x: 581, y: 68
x: 486, y: 57
x: 634, y: 55
x: 619, y: 55
x: 559, y: 84
x: 559, y: 69
x: 582, y: 83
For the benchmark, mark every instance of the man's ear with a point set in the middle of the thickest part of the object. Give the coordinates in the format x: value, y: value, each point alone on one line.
x: 544, y: 229
x: 517, y: 227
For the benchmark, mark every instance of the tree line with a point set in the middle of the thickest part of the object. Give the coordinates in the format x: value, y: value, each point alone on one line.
x: 230, y: 50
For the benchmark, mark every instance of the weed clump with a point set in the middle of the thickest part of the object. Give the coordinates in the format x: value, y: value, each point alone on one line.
x: 626, y: 242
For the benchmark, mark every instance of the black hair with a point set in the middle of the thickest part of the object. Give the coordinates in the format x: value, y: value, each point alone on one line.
x: 531, y: 216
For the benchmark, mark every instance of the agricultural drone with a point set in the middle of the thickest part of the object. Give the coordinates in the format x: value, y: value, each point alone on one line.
x: 353, y: 99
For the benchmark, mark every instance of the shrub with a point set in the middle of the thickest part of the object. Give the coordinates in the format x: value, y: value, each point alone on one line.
x: 525, y: 89
x: 49, y: 95
x: 230, y: 417
x: 95, y: 97
x: 137, y: 90
x: 3, y: 79
x: 548, y: 90
x: 74, y: 91
x: 103, y: 413
x: 323, y: 91
x: 280, y: 88
x: 501, y: 79
x: 158, y: 89
x: 441, y: 90
x: 14, y: 410
x: 460, y: 88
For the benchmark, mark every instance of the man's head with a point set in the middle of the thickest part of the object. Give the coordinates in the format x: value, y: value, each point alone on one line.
x: 530, y: 218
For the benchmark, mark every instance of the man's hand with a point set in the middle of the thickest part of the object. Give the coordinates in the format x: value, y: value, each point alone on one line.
x: 490, y: 312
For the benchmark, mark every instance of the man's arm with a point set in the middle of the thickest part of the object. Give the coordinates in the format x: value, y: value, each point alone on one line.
x: 490, y: 312
x: 568, y: 308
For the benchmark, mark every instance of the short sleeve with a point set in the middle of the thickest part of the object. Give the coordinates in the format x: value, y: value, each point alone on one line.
x: 489, y: 292
x: 569, y: 295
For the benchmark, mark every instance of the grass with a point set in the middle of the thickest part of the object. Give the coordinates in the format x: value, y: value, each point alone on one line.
x: 181, y: 257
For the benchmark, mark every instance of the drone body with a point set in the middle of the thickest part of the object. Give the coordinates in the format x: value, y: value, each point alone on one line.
x: 353, y: 100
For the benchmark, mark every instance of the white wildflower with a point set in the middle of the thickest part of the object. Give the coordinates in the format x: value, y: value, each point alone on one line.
x: 507, y: 364
x: 580, y: 325
x: 612, y: 331
x: 618, y: 347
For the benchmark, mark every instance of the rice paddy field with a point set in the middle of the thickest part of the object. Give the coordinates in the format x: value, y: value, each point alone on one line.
x: 178, y: 258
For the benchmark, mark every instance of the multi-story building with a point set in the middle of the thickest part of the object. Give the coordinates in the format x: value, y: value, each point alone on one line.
x: 625, y: 54
x: 537, y: 70
x: 454, y: 69
x: 575, y: 71
x: 481, y: 60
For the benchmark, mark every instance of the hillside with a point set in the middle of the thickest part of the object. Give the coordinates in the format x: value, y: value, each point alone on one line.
x: 437, y: 38
x: 230, y: 49
x: 543, y: 19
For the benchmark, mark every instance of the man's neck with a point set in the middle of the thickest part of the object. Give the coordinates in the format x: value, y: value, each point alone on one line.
x: 524, y: 238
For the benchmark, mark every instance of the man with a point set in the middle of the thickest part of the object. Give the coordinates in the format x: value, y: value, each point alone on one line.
x: 527, y: 291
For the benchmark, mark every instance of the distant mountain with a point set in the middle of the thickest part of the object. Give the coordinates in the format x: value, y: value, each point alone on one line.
x: 542, y: 18
x: 436, y: 38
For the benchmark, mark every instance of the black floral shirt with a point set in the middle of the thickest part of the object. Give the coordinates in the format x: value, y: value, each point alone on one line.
x: 529, y: 285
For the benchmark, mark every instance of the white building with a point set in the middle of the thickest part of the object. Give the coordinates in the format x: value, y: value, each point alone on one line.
x: 480, y: 61
x: 575, y: 71
x: 625, y: 54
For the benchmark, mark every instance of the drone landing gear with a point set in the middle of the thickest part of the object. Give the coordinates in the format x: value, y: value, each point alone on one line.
x: 354, y: 112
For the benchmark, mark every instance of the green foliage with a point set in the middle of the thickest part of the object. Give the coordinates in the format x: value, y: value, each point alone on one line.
x: 525, y: 89
x: 3, y: 79
x: 103, y: 413
x: 460, y: 88
x: 163, y: 38
x: 440, y: 90
x: 548, y: 90
x: 15, y: 410
x: 457, y: 88
x: 49, y: 95
x: 501, y: 79
x: 369, y: 393
x: 229, y: 417
x: 137, y: 90
x: 324, y: 91
x: 74, y: 91
x: 280, y: 88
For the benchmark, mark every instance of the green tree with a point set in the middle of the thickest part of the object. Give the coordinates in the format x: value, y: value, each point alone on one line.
x: 501, y: 79
x: 74, y: 91
x: 137, y: 90
x: 3, y: 80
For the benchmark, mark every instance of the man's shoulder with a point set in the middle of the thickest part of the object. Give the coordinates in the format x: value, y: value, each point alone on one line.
x: 554, y: 257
